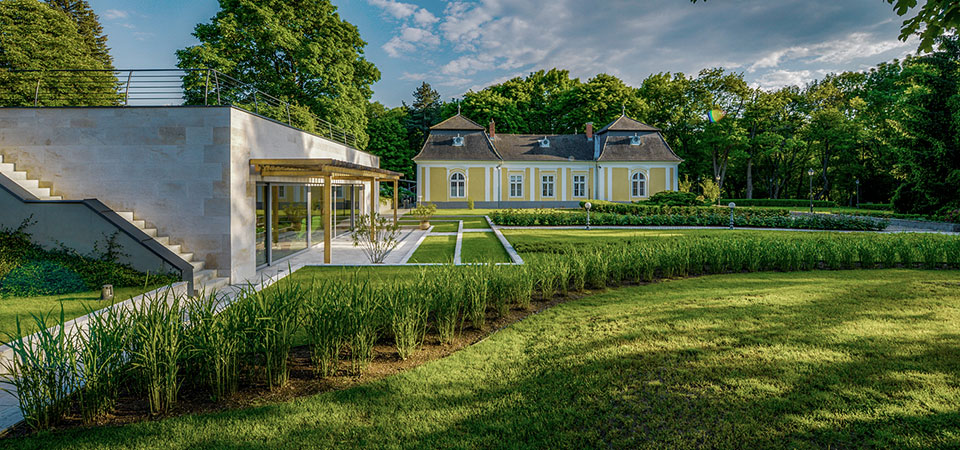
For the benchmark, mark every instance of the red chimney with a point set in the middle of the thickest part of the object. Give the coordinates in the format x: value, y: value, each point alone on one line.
x: 589, y: 131
x: 493, y: 129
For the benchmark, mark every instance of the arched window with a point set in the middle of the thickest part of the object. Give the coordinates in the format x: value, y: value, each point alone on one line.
x: 457, y: 185
x: 638, y: 184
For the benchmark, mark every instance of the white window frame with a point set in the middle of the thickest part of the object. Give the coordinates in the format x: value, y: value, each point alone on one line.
x: 458, y: 185
x: 582, y: 184
x: 515, y: 183
x: 544, y: 184
x: 638, y: 184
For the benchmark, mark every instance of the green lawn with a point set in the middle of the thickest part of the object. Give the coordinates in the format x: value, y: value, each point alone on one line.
x: 476, y: 222
x: 767, y: 360
x: 445, y: 227
x: 435, y: 249
x: 74, y: 305
x: 482, y: 247
x: 462, y: 212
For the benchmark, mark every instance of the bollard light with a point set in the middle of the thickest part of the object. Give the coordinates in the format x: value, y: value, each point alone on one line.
x: 731, y: 205
x: 106, y: 292
x: 587, y: 206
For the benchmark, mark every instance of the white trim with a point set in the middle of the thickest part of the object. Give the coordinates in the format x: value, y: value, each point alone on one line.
x: 646, y: 183
x: 450, y: 174
x: 487, y: 187
x: 573, y: 183
x: 531, y: 177
x: 510, y: 184
x: 609, y: 180
x: 426, y: 182
x: 553, y: 184
x: 563, y: 191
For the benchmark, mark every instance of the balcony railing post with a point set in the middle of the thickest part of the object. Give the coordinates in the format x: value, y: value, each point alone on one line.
x: 126, y: 93
x: 216, y: 80
x: 256, y: 104
x: 36, y: 93
x: 206, y: 88
x: 289, y: 122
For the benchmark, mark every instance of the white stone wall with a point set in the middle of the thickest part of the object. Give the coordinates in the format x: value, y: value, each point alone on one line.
x: 184, y: 170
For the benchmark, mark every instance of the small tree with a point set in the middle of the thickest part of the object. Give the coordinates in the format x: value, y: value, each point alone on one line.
x: 377, y: 242
x: 423, y: 212
x: 686, y: 185
x: 711, y: 190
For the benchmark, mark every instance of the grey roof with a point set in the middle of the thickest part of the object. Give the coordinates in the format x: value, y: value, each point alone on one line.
x: 526, y: 147
x: 476, y: 147
x: 652, y: 148
x: 457, y: 123
x: 624, y: 123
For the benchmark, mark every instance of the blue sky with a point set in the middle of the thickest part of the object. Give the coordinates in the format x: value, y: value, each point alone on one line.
x: 461, y: 45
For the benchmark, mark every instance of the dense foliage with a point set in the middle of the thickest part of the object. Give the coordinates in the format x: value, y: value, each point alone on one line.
x: 36, y: 36
x: 301, y: 52
x: 644, y: 209
x: 27, y: 269
x: 779, y: 202
x: 674, y: 198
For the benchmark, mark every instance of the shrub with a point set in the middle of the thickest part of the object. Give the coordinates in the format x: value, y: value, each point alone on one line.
x: 877, y: 206
x: 644, y: 209
x: 41, y: 278
x: 673, y: 198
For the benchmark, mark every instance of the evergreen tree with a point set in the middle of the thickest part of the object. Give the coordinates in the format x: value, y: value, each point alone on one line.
x: 422, y: 114
x: 88, y: 25
x: 34, y: 36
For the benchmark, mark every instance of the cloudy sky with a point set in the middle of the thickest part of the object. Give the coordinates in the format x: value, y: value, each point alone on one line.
x: 461, y: 45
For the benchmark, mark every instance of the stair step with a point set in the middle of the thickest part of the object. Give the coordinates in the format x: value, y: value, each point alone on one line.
x: 42, y: 193
x: 7, y: 167
x: 212, y: 285
x: 203, y: 276
x: 30, y: 185
x: 16, y: 175
x: 55, y: 197
x: 128, y: 215
x: 197, y: 266
x: 141, y: 224
x: 187, y: 256
x: 173, y: 248
x: 152, y: 232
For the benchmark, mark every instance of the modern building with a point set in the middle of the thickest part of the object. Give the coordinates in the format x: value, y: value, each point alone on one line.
x: 625, y: 161
x: 211, y: 192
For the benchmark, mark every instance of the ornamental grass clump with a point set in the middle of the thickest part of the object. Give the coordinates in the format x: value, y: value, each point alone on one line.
x: 100, y: 362
x: 498, y: 290
x: 446, y: 303
x: 597, y: 266
x: 215, y: 342
x: 363, y: 319
x: 407, y: 313
x: 41, y: 371
x: 272, y: 317
x: 475, y: 294
x: 157, y: 347
x: 325, y: 324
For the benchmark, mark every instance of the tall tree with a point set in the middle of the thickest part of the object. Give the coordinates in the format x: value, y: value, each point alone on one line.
x: 422, y: 114
x: 728, y: 92
x: 300, y: 51
x: 34, y: 36
x: 88, y: 25
x: 388, y: 139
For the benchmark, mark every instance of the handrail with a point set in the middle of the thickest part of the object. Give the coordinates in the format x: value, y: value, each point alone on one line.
x: 156, y: 87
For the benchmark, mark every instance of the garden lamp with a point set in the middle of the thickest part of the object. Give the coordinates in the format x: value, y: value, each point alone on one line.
x: 810, y: 172
x: 857, y: 182
x: 731, y: 205
x: 587, y: 207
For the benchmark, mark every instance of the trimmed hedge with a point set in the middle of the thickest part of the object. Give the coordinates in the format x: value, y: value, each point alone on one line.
x: 41, y: 278
x: 640, y: 209
x: 877, y: 206
x: 779, y: 202
x: 673, y: 198
x: 717, y: 218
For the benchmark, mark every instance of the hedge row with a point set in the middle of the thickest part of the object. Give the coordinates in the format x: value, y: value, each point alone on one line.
x: 716, y: 219
x: 877, y: 206
x: 779, y: 202
x: 639, y: 209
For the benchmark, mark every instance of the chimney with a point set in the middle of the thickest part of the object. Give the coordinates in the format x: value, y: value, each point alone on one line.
x: 493, y: 129
x: 589, y: 131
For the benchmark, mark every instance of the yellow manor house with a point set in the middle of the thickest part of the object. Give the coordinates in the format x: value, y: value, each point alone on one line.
x: 625, y: 161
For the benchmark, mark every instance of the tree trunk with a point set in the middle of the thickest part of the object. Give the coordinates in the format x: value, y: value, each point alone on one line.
x: 749, y: 177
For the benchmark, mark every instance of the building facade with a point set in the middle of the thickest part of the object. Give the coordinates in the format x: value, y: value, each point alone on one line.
x: 461, y: 161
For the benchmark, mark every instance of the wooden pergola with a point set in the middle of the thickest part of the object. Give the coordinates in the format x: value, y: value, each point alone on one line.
x: 330, y: 170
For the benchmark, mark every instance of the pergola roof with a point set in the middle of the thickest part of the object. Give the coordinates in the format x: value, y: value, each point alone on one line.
x: 321, y: 167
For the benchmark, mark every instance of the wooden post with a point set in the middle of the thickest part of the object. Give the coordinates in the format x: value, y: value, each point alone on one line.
x: 374, y: 190
x: 327, y: 217
x: 396, y: 195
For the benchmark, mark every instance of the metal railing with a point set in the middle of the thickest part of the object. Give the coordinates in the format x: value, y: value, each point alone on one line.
x: 156, y: 87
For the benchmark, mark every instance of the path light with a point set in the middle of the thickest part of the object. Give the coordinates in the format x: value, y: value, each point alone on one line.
x: 857, y: 181
x: 587, y: 207
x: 810, y: 173
x: 731, y: 205
x: 106, y: 292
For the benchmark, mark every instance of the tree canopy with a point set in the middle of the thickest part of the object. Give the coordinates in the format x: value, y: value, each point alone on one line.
x: 301, y: 52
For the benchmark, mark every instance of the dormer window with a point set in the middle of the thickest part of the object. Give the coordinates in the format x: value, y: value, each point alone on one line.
x: 634, y: 140
x: 544, y: 143
x: 458, y: 141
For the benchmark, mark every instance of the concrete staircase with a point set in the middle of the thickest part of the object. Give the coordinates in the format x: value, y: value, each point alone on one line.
x: 31, y: 186
x: 203, y: 278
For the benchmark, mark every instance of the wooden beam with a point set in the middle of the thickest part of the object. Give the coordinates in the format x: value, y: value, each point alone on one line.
x: 327, y: 218
x: 396, y: 194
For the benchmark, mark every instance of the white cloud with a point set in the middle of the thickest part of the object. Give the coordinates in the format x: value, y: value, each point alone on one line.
x: 854, y: 46
x: 424, y: 18
x: 408, y: 40
x: 114, y: 14
x: 396, y: 9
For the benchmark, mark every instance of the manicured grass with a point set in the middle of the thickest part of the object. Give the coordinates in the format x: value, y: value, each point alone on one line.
x: 482, y: 247
x: 445, y: 227
x: 435, y: 249
x: 764, y: 360
x: 461, y: 212
x: 476, y: 223
x: 74, y: 305
x: 375, y: 275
